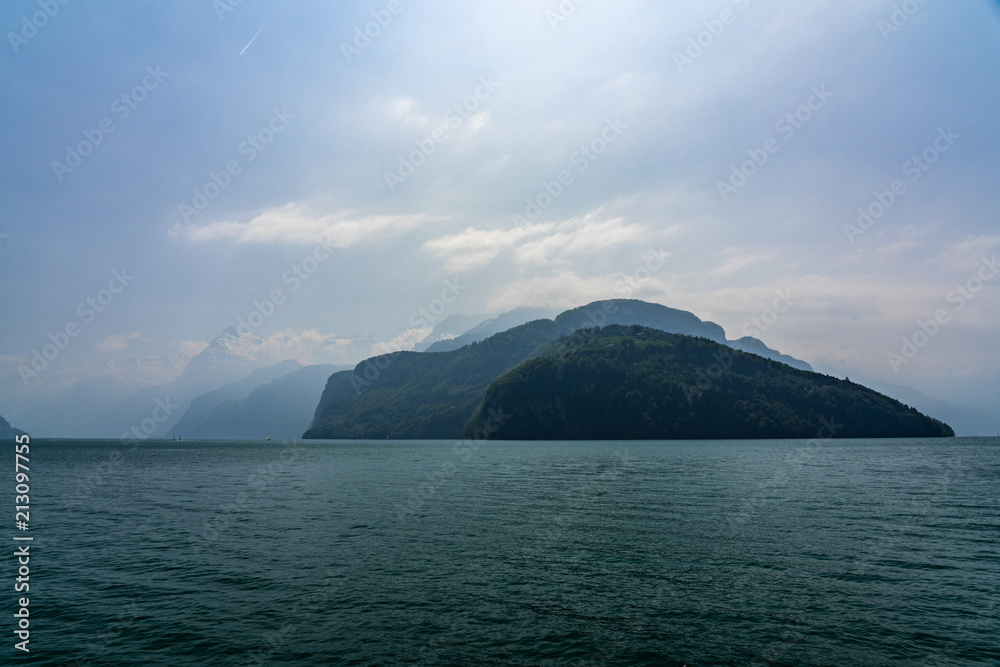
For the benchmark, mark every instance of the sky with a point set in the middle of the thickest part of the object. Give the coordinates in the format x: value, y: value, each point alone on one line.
x: 819, y: 175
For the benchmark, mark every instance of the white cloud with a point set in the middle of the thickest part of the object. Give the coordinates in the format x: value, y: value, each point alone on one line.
x: 579, y: 235
x: 966, y: 254
x: 474, y: 248
x: 115, y: 343
x: 405, y: 341
x: 566, y: 289
x: 294, y: 224
x: 404, y: 111
x: 737, y: 264
x: 313, y: 347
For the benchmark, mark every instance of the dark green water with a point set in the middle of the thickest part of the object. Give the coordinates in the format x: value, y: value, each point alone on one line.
x: 861, y: 552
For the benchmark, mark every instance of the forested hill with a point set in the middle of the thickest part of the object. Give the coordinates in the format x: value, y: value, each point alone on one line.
x: 641, y: 383
x: 422, y: 394
x: 433, y: 395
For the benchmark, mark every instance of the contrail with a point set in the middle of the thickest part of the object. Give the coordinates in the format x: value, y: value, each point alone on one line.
x: 251, y: 40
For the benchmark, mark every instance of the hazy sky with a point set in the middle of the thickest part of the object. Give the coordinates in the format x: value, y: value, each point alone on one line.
x: 505, y: 153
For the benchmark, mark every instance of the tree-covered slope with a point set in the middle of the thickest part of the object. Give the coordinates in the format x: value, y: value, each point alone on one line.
x: 641, y: 383
x: 421, y: 394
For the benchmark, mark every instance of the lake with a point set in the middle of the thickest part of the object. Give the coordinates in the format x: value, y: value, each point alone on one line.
x: 825, y: 552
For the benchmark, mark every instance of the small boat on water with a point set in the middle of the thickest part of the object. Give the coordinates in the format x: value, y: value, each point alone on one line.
x: 268, y: 438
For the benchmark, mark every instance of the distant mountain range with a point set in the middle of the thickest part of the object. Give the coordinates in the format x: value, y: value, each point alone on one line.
x: 965, y: 421
x: 108, y: 408
x: 637, y: 383
x: 250, y: 409
x: 225, y: 391
x: 449, y: 328
x: 490, y: 326
x: 419, y: 395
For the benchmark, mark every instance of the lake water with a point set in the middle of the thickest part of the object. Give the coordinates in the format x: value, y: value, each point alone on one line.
x: 832, y: 552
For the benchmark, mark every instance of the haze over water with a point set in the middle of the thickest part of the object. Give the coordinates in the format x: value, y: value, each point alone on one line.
x: 448, y: 553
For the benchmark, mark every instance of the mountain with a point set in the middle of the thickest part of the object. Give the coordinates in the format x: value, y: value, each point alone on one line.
x: 755, y: 346
x: 8, y: 432
x: 489, y: 327
x: 206, y: 403
x: 433, y: 394
x: 281, y: 407
x: 625, y: 312
x: 421, y: 394
x: 965, y: 420
x: 448, y: 329
x: 77, y: 410
x: 636, y: 383
x: 155, y: 410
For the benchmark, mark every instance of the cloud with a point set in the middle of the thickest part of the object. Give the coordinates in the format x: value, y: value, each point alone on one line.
x: 966, y: 254
x: 580, y: 235
x: 405, y: 341
x: 313, y: 347
x: 737, y: 264
x: 535, y: 244
x: 293, y: 224
x: 474, y: 248
x: 115, y: 343
x: 565, y: 289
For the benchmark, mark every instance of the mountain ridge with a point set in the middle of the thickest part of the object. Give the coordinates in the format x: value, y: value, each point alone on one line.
x: 434, y: 394
x: 638, y: 383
